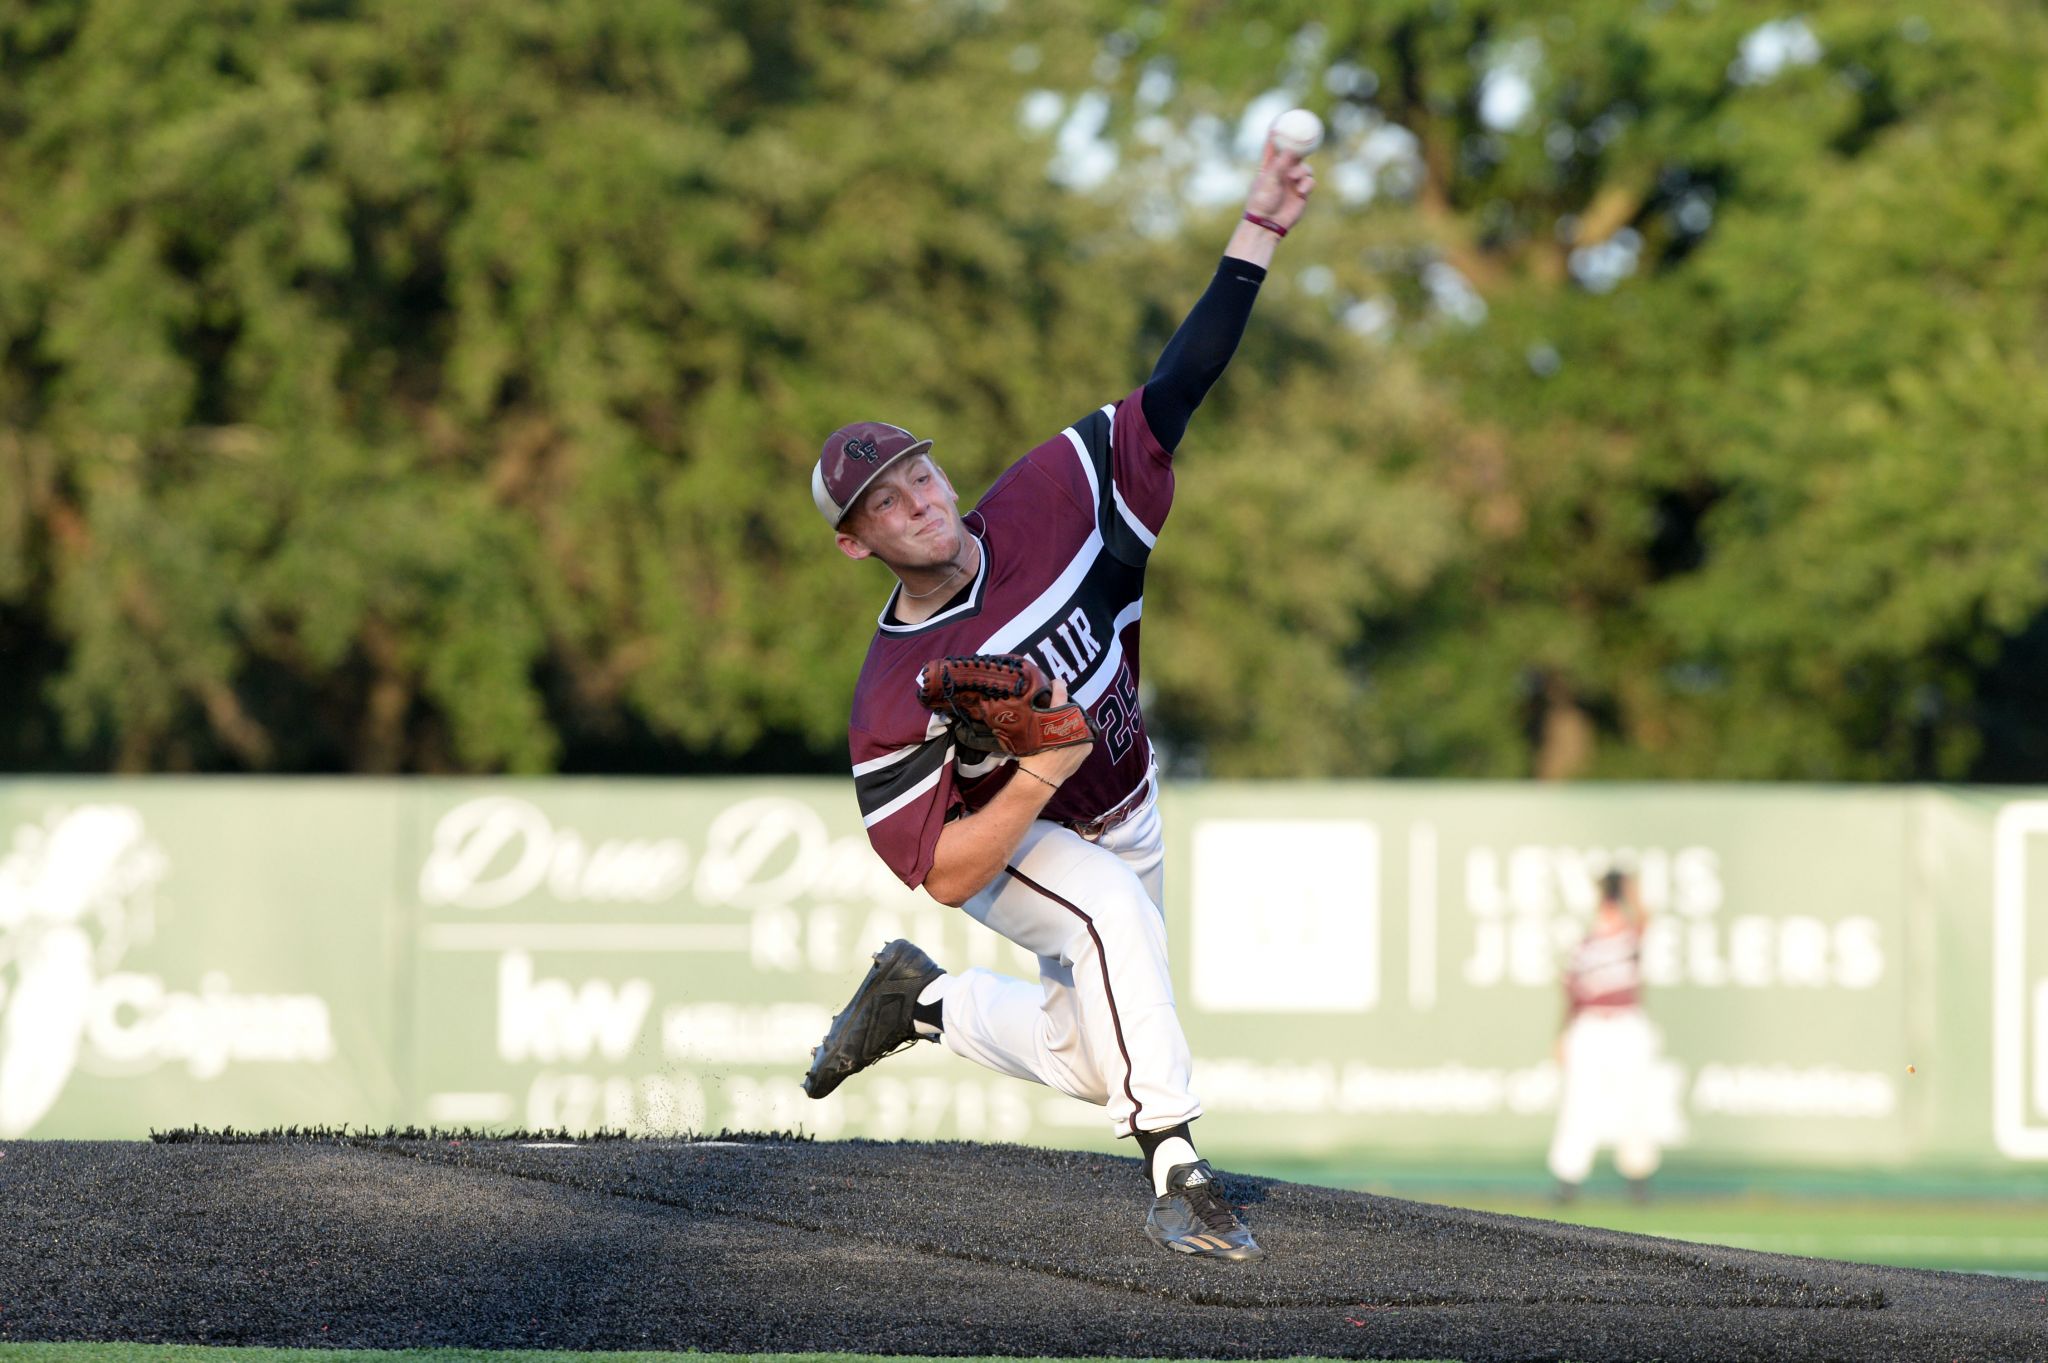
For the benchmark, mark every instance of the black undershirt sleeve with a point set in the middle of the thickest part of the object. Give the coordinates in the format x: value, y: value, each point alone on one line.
x: 1200, y: 349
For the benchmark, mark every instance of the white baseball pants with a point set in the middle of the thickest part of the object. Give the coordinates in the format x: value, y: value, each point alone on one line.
x: 1099, y: 1024
x: 1608, y: 1096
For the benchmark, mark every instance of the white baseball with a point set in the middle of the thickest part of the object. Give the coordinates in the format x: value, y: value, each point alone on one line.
x: 1297, y: 131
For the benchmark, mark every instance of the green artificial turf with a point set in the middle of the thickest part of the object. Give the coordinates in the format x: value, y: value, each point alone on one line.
x: 1980, y: 1236
x: 1965, y: 1223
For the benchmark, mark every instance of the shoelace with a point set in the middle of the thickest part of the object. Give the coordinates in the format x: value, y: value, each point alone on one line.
x: 1210, y: 1209
x: 902, y: 1045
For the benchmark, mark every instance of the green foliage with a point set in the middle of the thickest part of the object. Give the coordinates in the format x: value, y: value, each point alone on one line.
x: 1758, y: 508
x: 398, y: 387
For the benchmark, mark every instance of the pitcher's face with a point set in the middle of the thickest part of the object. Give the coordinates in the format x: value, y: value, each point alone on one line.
x: 909, y: 518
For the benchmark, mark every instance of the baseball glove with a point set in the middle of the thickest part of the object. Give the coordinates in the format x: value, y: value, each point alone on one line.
x: 1001, y: 700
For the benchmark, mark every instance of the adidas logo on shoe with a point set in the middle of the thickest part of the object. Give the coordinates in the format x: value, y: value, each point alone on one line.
x: 1191, y: 1217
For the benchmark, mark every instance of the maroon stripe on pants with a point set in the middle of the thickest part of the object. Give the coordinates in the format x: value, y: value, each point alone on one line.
x: 1102, y: 956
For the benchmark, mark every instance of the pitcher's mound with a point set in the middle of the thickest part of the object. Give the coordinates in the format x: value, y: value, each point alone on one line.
x: 763, y: 1245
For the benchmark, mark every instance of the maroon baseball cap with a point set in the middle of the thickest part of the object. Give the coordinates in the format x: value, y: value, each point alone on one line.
x: 854, y: 457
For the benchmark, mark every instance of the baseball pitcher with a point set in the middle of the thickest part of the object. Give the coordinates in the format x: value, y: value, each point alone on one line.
x: 999, y: 751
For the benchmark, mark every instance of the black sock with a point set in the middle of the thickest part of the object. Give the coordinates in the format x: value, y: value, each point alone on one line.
x: 1148, y: 1141
x: 932, y: 1015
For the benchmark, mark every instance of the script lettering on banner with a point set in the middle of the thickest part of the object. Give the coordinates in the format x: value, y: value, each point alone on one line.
x: 771, y: 881
x: 77, y: 896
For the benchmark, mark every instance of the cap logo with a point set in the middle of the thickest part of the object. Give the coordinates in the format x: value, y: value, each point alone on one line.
x: 860, y: 449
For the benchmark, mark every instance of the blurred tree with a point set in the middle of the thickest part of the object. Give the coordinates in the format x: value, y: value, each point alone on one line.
x: 1761, y: 358
x: 399, y: 388
x: 1653, y: 392
x: 396, y: 387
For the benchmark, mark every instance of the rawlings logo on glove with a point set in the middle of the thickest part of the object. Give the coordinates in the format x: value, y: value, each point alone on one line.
x: 1001, y: 700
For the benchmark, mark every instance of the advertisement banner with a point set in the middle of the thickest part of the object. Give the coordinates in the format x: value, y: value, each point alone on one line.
x: 195, y: 952
x: 1378, y: 966
x: 664, y: 956
x: 2019, y: 980
x: 1834, y: 976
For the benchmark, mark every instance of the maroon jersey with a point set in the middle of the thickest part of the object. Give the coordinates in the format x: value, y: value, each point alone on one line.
x: 1606, y: 970
x: 1064, y: 535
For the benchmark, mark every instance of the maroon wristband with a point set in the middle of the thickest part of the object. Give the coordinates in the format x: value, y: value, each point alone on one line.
x: 1275, y: 228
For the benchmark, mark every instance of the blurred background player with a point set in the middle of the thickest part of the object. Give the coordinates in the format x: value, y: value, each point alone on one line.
x: 1060, y: 851
x: 1607, y: 1050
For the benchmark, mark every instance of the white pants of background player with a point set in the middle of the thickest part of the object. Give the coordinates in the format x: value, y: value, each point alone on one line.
x: 1099, y: 1023
x: 1609, y: 1095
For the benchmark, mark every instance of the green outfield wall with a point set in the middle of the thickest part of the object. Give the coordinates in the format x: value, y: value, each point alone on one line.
x: 1362, y: 967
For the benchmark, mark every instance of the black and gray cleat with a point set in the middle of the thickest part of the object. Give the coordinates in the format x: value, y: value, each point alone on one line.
x: 1193, y: 1218
x: 877, y: 1021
